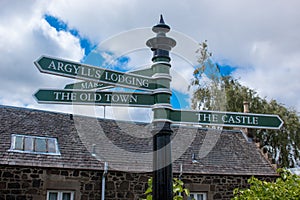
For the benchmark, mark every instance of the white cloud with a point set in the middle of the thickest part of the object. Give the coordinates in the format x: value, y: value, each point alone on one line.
x: 275, y: 79
x: 262, y: 38
x: 24, y: 36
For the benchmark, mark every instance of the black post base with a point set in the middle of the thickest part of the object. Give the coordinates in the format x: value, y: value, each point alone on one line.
x: 162, y: 188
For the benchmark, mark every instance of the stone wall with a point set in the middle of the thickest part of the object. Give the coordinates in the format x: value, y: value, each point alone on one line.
x: 26, y: 183
x: 20, y: 183
x: 217, y: 187
x: 122, y: 185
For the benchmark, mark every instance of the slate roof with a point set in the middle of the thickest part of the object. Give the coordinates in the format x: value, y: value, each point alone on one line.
x: 86, y: 142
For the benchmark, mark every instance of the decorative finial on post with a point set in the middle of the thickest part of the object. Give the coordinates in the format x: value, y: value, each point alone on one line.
x: 161, y: 21
x: 161, y: 27
x: 161, y: 44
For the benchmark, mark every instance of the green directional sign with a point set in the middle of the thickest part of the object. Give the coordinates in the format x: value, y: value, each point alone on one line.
x: 228, y: 119
x: 82, y: 97
x: 80, y: 71
x: 144, y: 72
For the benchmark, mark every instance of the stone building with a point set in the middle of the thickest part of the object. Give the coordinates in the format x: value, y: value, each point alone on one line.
x: 50, y: 156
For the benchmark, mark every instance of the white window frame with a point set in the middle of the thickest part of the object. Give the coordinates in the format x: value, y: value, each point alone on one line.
x: 204, y: 195
x: 60, y: 194
x: 32, y: 149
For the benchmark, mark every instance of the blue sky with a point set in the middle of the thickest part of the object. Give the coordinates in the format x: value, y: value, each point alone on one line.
x: 60, y: 25
x: 179, y: 100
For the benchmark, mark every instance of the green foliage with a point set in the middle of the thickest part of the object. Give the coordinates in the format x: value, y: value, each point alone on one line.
x: 149, y: 190
x: 228, y: 94
x: 283, y: 145
x: 285, y: 187
x: 178, y: 189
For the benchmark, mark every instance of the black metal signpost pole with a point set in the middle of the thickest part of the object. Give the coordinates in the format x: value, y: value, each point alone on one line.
x: 162, y: 188
x: 162, y: 161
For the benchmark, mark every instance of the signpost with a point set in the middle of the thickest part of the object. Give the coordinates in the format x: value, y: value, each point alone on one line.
x: 80, y: 71
x: 156, y: 81
x: 216, y: 118
x: 95, y: 98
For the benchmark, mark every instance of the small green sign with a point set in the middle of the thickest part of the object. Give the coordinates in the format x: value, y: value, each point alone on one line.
x: 88, y: 85
x: 90, y: 73
x: 228, y: 119
x: 95, y: 98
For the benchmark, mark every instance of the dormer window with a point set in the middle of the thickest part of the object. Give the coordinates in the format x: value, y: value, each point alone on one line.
x: 34, y: 144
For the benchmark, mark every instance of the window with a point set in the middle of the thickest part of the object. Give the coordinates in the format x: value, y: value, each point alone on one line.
x: 60, y: 195
x: 198, y: 196
x: 34, y: 144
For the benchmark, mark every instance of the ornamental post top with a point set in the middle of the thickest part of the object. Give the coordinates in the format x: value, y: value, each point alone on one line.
x: 161, y: 44
x: 161, y: 27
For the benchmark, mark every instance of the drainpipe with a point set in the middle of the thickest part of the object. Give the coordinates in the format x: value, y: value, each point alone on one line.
x: 103, y: 180
x: 180, y: 175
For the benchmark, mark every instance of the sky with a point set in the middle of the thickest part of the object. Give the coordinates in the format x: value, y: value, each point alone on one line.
x: 258, y: 42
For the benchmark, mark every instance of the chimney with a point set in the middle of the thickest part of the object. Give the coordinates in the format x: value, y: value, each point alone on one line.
x: 246, y: 106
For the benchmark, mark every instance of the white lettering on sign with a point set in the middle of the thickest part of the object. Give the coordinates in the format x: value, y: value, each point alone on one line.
x: 123, y: 98
x: 240, y: 119
x: 90, y: 85
x: 90, y: 72
x: 207, y: 117
x: 74, y: 69
x: 99, y: 74
x: 226, y: 118
x: 128, y: 80
x: 90, y: 97
x: 73, y: 96
x: 65, y: 96
x: 95, y: 97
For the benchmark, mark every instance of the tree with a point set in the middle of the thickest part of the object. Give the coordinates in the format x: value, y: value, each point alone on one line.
x: 224, y: 93
x: 285, y: 187
x: 209, y: 91
x: 178, y: 190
